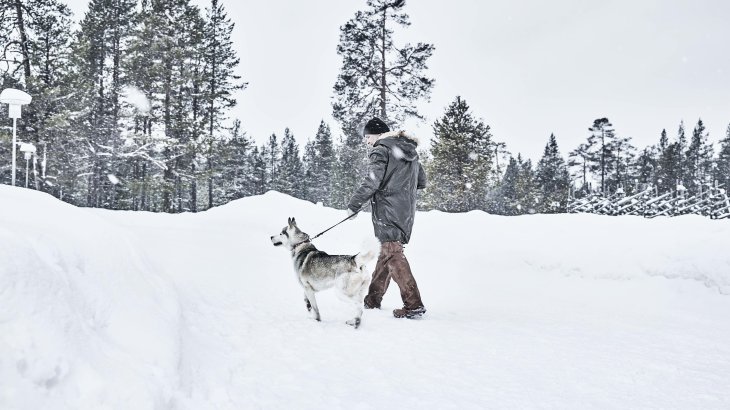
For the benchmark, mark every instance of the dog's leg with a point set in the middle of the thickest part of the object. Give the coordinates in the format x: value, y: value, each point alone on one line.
x: 309, y: 305
x: 355, y: 292
x: 355, y: 322
x: 309, y: 294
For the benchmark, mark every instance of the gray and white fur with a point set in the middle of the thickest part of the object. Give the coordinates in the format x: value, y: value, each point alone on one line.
x: 317, y: 271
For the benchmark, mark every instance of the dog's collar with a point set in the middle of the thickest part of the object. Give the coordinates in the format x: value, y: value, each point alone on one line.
x: 300, y: 243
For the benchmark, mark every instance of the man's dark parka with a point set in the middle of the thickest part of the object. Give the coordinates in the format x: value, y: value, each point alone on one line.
x: 394, y: 174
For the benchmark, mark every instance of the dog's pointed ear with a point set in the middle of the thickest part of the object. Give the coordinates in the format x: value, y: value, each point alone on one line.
x: 293, y: 222
x: 288, y: 221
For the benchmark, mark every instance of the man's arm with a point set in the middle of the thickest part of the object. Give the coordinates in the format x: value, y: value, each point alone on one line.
x: 421, y: 177
x: 371, y: 183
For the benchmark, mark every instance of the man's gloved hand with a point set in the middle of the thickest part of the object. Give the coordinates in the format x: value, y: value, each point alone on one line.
x: 352, y: 214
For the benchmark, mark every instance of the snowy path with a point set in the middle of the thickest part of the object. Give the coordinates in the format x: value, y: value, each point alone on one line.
x: 522, y: 313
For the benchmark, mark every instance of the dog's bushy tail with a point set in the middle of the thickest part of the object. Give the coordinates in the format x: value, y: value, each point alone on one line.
x: 370, y: 250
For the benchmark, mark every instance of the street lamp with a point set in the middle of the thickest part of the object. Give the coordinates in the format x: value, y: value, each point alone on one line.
x: 28, y: 150
x: 15, y: 99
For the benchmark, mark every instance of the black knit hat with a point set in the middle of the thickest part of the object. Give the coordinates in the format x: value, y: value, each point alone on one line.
x: 375, y: 126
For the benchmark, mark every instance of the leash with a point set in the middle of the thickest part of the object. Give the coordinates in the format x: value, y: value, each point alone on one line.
x: 325, y: 231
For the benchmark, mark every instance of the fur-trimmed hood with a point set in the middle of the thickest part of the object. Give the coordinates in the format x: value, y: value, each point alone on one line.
x: 400, y: 133
x: 401, y: 144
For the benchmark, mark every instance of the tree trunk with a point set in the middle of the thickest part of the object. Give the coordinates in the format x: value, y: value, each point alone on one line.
x: 193, y: 189
x: 116, y: 52
x: 210, y: 176
x: 23, y: 40
x: 213, y: 74
x: 383, y: 83
x: 168, y: 174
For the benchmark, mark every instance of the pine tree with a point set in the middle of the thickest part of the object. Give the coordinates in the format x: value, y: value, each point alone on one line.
x: 236, y: 172
x: 258, y: 167
x: 98, y: 145
x: 319, y: 164
x: 552, y: 179
x: 271, y: 155
x: 16, y: 19
x: 517, y: 192
x: 100, y: 50
x: 51, y: 51
x: 527, y: 189
x: 647, y: 165
x: 425, y: 202
x: 504, y: 199
x: 308, y: 175
x: 699, y: 160
x: 671, y: 166
x: 722, y: 164
x: 35, y: 43
x: 680, y: 161
x: 348, y: 169
x: 600, y: 153
x: 624, y: 154
x: 290, y: 167
x: 220, y: 64
x: 579, y: 163
x: 462, y: 160
x: 378, y: 78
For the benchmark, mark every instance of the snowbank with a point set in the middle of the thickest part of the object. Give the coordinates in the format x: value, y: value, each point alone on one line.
x: 84, y: 311
x: 104, y: 309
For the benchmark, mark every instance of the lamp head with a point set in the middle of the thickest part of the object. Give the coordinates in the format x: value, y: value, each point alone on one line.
x: 15, y: 99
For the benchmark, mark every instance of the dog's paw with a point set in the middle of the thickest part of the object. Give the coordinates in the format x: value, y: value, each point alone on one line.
x: 354, y: 322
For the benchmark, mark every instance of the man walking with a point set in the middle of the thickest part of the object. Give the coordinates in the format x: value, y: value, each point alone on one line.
x: 394, y: 174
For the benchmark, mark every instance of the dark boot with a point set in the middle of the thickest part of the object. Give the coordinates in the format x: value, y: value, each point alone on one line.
x: 370, y: 303
x: 409, y: 313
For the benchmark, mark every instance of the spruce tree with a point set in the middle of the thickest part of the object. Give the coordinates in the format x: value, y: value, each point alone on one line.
x: 507, y: 197
x: 552, y: 179
x: 646, y: 167
x: 320, y: 160
x: 308, y: 180
x: 699, y: 158
x: 348, y: 169
x: 271, y: 156
x: 290, y: 174
x: 517, y: 192
x: 462, y: 160
x: 236, y: 173
x: 671, y: 162
x: 680, y: 161
x: 527, y: 189
x: 258, y: 169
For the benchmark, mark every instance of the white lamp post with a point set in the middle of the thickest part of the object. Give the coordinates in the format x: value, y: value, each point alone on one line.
x: 28, y: 150
x: 15, y: 99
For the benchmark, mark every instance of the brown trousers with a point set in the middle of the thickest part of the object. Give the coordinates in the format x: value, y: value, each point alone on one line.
x: 392, y: 263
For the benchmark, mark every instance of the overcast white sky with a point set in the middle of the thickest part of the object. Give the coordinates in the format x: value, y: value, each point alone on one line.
x: 527, y: 68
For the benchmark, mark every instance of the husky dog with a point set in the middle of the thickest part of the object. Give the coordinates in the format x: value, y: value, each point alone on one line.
x: 318, y: 271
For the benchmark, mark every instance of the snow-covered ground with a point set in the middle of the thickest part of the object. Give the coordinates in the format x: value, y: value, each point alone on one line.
x: 122, y: 310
